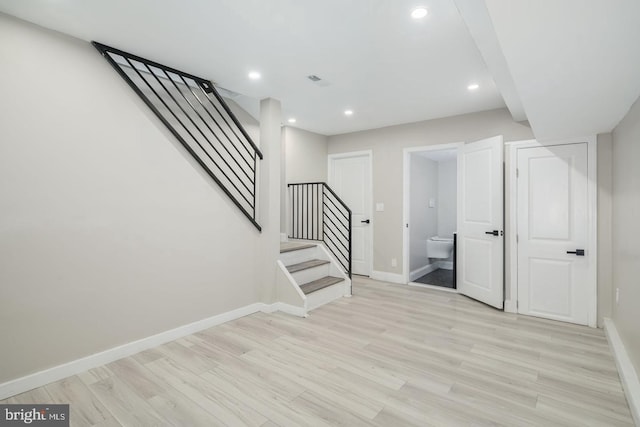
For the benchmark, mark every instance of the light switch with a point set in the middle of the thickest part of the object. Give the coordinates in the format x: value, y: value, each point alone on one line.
x: 432, y: 202
x: 379, y: 207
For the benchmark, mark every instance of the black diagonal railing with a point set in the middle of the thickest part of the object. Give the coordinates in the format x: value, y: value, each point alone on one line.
x: 200, y: 119
x: 317, y: 213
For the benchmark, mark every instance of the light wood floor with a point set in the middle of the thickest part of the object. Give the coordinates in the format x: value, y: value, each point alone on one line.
x: 391, y: 355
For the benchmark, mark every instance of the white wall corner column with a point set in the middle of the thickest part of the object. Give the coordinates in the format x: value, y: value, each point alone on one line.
x: 283, y: 185
x: 269, y: 196
x: 628, y: 375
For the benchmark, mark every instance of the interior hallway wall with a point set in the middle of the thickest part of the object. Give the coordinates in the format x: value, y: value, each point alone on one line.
x: 305, y: 160
x: 306, y: 155
x: 605, y: 250
x: 626, y: 231
x: 109, y: 231
x: 387, y: 145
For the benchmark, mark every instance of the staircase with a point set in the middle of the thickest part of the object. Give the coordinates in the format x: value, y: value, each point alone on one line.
x: 318, y: 214
x: 314, y: 273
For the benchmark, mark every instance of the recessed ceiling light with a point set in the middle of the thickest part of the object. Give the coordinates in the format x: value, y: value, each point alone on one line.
x: 292, y: 120
x: 419, y: 13
x: 348, y: 112
x: 254, y: 75
x: 473, y: 86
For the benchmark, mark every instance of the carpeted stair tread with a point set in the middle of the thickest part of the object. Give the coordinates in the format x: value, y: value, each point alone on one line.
x: 306, y: 265
x: 322, y: 283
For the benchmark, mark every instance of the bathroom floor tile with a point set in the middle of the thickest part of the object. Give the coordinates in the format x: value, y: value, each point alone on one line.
x: 439, y: 277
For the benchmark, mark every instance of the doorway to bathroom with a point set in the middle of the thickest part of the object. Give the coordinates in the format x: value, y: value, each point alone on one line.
x: 430, y: 211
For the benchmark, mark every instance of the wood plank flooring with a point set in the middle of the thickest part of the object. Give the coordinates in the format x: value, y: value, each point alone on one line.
x: 391, y: 355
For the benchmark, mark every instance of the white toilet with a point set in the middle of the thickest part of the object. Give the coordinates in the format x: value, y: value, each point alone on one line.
x: 439, y: 247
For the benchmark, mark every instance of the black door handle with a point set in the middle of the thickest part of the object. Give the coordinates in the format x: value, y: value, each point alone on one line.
x: 366, y: 221
x: 493, y: 233
x: 577, y: 252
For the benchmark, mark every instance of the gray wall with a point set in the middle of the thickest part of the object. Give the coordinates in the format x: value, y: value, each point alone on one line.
x: 626, y: 230
x: 306, y: 156
x: 423, y: 185
x: 304, y: 160
x: 605, y: 258
x: 109, y: 232
x: 387, y: 145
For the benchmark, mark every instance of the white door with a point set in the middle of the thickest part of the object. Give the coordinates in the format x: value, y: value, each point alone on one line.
x: 480, y: 244
x: 552, y: 224
x: 350, y: 178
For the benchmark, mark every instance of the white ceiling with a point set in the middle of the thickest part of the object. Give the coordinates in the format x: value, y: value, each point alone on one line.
x: 570, y: 67
x: 378, y: 61
x: 575, y: 63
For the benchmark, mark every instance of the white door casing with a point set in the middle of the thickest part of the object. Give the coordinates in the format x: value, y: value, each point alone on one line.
x: 480, y: 257
x: 350, y: 178
x: 552, y: 220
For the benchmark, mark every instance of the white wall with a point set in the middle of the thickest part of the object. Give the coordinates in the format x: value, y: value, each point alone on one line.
x: 109, y: 231
x: 423, y: 222
x: 447, y: 197
x: 387, y: 145
x: 626, y: 231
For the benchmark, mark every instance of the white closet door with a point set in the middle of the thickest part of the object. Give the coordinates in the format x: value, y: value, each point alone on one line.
x: 552, y: 209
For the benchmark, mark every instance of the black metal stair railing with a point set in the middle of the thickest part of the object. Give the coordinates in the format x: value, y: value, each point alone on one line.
x: 200, y: 119
x: 317, y: 213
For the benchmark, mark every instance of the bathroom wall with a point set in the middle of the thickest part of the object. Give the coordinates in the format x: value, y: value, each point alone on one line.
x: 447, y: 197
x: 423, y: 221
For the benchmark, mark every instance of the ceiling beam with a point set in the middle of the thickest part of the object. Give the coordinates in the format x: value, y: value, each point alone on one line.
x: 476, y: 17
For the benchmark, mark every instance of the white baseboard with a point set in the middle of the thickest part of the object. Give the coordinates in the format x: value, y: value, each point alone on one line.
x: 510, y: 306
x: 285, y: 308
x: 56, y: 373
x: 445, y: 265
x: 419, y: 272
x: 628, y: 374
x: 385, y: 276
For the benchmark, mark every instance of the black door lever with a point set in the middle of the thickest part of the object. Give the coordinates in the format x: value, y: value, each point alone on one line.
x: 493, y: 233
x: 366, y: 221
x: 577, y: 252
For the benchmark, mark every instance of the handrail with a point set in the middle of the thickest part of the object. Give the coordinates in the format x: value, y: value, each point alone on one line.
x: 318, y: 213
x: 202, y: 124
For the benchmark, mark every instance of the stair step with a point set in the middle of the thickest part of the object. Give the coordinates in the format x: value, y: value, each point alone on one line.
x: 316, y: 285
x: 294, y: 246
x: 306, y: 265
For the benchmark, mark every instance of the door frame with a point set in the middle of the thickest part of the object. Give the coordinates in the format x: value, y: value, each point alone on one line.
x: 406, y: 193
x: 511, y: 302
x: 331, y: 158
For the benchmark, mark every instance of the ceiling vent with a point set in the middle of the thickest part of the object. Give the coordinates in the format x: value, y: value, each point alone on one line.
x: 318, y: 81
